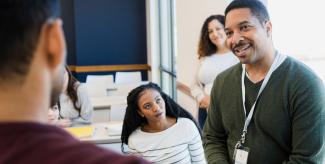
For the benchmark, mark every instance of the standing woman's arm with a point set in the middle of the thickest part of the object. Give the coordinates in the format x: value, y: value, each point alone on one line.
x: 197, y: 90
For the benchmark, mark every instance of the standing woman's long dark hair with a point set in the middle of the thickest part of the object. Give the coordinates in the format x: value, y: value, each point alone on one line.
x: 72, y: 87
x: 133, y: 120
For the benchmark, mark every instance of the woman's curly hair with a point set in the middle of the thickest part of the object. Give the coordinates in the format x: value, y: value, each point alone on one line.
x: 206, y: 47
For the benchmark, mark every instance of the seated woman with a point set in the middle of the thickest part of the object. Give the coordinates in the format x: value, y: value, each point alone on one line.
x: 156, y: 128
x: 74, y: 106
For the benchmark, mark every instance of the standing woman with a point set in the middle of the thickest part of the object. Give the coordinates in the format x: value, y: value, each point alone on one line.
x: 214, y: 57
x: 156, y: 128
x: 74, y: 106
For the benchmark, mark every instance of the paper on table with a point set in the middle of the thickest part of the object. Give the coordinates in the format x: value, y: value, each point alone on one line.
x: 81, y: 131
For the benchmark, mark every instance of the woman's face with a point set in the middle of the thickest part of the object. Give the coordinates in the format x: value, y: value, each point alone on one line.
x: 151, y: 106
x: 65, y: 81
x: 216, y: 33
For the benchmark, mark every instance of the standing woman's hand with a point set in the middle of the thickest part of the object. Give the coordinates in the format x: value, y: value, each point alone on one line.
x: 205, y: 102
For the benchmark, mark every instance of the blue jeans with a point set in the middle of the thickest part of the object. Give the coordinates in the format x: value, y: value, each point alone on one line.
x: 202, y: 116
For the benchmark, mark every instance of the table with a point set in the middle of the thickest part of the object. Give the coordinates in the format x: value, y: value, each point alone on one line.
x: 104, y: 134
x: 99, y: 133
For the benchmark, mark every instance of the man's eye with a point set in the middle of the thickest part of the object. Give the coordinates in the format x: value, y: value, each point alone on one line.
x: 228, y: 34
x: 244, y: 27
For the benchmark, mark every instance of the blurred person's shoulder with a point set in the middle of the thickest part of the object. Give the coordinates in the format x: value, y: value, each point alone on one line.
x: 37, y: 143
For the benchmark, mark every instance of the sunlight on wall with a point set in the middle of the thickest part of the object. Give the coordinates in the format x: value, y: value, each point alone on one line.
x: 298, y: 30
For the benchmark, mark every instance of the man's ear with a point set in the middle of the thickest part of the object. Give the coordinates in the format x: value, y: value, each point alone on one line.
x: 55, y: 43
x: 268, y: 26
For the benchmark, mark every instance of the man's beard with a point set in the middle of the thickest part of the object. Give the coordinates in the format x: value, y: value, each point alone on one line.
x: 57, y: 86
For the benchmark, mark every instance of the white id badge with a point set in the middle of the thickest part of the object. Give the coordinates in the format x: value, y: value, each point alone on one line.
x: 241, y: 156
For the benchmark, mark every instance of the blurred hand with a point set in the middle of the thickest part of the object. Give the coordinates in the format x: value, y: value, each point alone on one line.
x: 205, y: 102
x: 52, y: 116
x: 64, y: 123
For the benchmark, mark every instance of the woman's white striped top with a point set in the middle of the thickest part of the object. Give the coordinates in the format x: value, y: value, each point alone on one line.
x: 181, y: 143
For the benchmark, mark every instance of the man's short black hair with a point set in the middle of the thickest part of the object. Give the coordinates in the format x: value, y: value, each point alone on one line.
x: 256, y: 7
x: 20, y: 27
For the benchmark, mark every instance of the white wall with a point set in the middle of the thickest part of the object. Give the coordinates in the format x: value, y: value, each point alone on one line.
x: 152, y: 40
x: 300, y: 34
x: 190, y: 15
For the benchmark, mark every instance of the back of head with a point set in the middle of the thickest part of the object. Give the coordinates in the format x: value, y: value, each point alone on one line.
x: 256, y: 7
x: 133, y: 120
x: 21, y: 23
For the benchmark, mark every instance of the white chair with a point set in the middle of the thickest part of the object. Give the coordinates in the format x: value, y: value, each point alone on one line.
x: 108, y: 79
x: 128, y: 77
x: 117, y: 112
x: 97, y: 84
x: 101, y: 115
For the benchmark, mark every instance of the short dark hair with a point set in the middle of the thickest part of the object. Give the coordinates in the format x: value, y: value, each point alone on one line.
x: 20, y: 27
x: 206, y: 47
x: 133, y: 120
x: 256, y: 7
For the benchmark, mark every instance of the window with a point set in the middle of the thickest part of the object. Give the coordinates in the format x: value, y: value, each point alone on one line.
x: 161, y: 40
x: 167, y: 47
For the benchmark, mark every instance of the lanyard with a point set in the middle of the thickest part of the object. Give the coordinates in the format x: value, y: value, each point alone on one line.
x: 279, y: 58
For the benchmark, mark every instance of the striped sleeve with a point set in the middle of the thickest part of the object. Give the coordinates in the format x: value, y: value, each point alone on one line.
x: 196, y: 148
